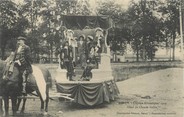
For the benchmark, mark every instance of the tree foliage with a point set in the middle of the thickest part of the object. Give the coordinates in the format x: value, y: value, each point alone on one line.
x: 119, y: 34
x: 12, y: 24
x: 145, y: 29
x: 170, y: 14
x: 144, y: 24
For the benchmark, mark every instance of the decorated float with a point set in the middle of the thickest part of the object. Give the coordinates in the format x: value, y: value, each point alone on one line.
x: 95, y: 84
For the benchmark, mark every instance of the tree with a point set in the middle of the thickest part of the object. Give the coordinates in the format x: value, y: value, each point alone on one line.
x: 119, y: 34
x: 12, y: 24
x: 111, y: 9
x: 32, y: 11
x: 82, y: 8
x: 145, y: 29
x: 65, y: 6
x: 170, y: 13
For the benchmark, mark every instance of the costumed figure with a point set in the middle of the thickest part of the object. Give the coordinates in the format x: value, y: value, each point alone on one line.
x: 74, y: 48
x: 59, y: 54
x: 22, y: 60
x: 87, y: 74
x: 67, y: 59
x: 91, y: 60
x: 100, y: 40
x: 92, y: 50
x: 89, y: 45
x: 81, y: 51
x: 69, y: 36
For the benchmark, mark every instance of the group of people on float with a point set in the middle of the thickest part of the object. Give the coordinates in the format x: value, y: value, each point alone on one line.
x: 82, y: 51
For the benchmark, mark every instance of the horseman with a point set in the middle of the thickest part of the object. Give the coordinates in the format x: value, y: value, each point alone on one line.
x: 23, y: 61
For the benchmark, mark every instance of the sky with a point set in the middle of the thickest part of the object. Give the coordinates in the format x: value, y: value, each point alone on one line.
x: 124, y: 3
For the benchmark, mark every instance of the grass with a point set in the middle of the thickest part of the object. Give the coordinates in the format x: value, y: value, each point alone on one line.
x: 123, y: 71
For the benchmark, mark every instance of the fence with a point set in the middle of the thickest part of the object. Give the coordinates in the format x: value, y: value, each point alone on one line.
x: 44, y: 60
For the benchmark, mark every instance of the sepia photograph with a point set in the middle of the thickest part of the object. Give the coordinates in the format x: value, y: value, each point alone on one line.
x: 91, y: 58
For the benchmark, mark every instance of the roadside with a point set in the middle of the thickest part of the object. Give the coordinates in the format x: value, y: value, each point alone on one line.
x: 156, y: 94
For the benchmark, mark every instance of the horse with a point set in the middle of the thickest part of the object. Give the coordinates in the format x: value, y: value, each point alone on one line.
x: 9, y: 89
x: 1, y: 103
x: 13, y: 86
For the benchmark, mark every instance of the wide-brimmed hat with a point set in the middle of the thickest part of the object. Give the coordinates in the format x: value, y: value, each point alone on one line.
x: 83, y: 36
x: 90, y: 37
x: 70, y: 31
x: 21, y: 38
x: 98, y: 29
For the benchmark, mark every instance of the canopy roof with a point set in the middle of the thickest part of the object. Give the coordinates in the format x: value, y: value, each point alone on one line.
x: 82, y: 22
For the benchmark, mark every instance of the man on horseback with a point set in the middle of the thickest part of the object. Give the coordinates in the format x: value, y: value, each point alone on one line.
x: 23, y: 61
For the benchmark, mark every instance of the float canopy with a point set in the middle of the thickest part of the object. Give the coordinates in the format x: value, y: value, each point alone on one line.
x: 86, y: 22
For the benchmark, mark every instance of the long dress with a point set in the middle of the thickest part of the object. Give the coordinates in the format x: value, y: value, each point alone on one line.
x: 81, y: 53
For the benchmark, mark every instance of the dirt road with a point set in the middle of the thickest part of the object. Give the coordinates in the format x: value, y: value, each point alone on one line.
x: 156, y: 94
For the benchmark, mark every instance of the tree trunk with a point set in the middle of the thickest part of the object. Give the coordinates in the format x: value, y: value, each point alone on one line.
x: 51, y: 53
x: 137, y: 53
x: 144, y: 49
x: 151, y: 54
x: 174, y: 37
x: 143, y: 3
x: 3, y: 53
x: 167, y: 47
x: 3, y: 46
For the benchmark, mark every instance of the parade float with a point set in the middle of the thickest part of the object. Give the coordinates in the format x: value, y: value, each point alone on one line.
x: 101, y: 87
